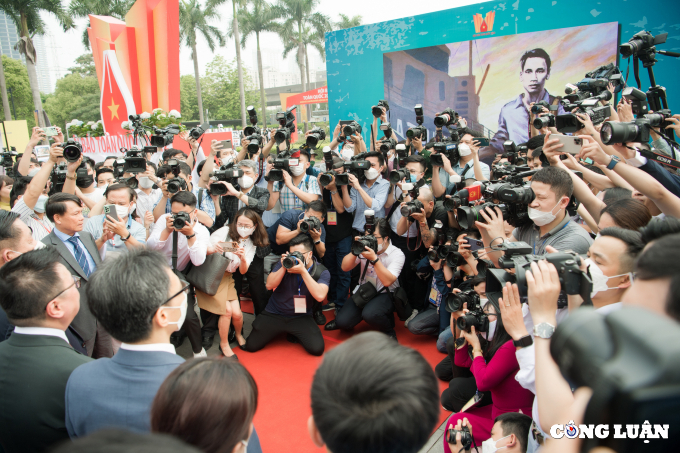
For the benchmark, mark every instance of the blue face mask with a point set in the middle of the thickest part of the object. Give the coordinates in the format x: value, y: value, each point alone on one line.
x: 414, y: 178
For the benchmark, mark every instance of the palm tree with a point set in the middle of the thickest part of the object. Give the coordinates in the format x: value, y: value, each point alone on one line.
x: 260, y: 19
x: 347, y: 22
x: 113, y: 8
x: 239, y: 66
x: 26, y: 16
x: 193, y: 20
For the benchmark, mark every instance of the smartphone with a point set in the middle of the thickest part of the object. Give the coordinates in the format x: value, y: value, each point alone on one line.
x: 475, y: 244
x: 588, y: 160
x: 570, y: 144
x: 51, y: 131
x: 226, y: 144
x: 110, y: 210
x: 483, y: 141
x: 228, y: 246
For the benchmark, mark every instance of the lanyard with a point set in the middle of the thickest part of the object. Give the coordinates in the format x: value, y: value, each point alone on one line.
x: 546, y: 239
x: 36, y: 218
x: 301, y: 281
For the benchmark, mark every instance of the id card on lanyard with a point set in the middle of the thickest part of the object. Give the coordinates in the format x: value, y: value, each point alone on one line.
x: 300, y: 300
x: 332, y: 218
x: 435, y: 295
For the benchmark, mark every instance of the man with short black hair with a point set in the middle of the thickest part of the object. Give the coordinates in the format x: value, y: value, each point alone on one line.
x: 79, y: 252
x: 468, y: 167
x: 41, y: 299
x: 192, y: 246
x: 289, y: 310
x: 297, y: 187
x: 104, y: 177
x: 86, y: 187
x: 288, y: 227
x: 370, y: 194
x: 142, y: 313
x: 108, y: 162
x: 371, y: 371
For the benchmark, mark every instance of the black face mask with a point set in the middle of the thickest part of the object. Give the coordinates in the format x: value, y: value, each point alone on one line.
x: 84, y: 181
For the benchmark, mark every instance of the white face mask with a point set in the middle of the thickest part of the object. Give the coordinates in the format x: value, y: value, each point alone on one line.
x: 464, y: 150
x: 298, y: 169
x: 541, y: 218
x: 40, y: 204
x: 227, y: 159
x: 347, y: 151
x: 122, y: 212
x: 371, y: 174
x: 245, y: 182
x: 182, y: 312
x: 492, y: 329
x: 598, y: 278
x: 245, y: 232
x: 489, y: 445
x: 145, y: 182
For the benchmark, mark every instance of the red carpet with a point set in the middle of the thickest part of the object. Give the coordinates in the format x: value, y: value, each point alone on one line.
x: 284, y: 371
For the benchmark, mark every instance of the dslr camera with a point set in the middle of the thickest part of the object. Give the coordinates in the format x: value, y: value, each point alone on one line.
x: 418, y: 131
x: 286, y: 122
x: 135, y: 162
x: 293, y: 259
x: 636, y: 130
x: 252, y: 117
x: 387, y: 144
x: 164, y: 137
x: 175, y: 184
x: 58, y: 177
x: 311, y: 223
x: 358, y: 246
x: 180, y: 220
x: 255, y: 141
x: 446, y: 118
x: 281, y: 162
x: 455, y: 301
x: 315, y: 136
x: 350, y: 129
x: 72, y: 150
x: 377, y: 111
x: 570, y: 123
x: 197, y: 131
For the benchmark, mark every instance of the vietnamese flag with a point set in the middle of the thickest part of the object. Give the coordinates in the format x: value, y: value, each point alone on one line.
x: 474, y: 192
x: 116, y: 101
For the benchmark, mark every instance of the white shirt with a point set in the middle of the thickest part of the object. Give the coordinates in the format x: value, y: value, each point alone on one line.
x: 393, y: 259
x: 41, y: 228
x: 158, y: 347
x: 609, y: 308
x: 222, y: 235
x: 41, y: 331
x: 147, y: 202
x: 196, y: 253
x: 412, y: 230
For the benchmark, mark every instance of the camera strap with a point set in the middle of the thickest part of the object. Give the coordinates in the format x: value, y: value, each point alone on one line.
x: 660, y: 158
x: 174, y: 250
x: 200, y: 197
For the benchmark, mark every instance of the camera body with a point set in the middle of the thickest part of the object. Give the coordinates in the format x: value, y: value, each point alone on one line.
x: 58, y: 177
x: 358, y: 246
x: 538, y: 107
x: 293, y: 259
x: 316, y: 135
x: 351, y: 129
x: 281, y: 162
x: 445, y: 148
x: 446, y: 118
x: 388, y: 144
x: 175, y: 184
x: 465, y: 437
x: 634, y: 131
x: 311, y: 223
x: 72, y: 150
x: 135, y: 162
x: 455, y: 301
x: 475, y: 317
x: 255, y: 141
x: 416, y: 132
x: 545, y: 120
x: 286, y: 122
x: 164, y: 137
x: 252, y: 117
x: 640, y: 42
x: 226, y: 173
x: 397, y: 175
x: 180, y: 220
x: 377, y: 111
x: 411, y: 207
x: 197, y: 131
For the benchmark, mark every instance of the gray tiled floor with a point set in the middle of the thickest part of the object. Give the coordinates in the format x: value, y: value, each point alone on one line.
x: 435, y: 445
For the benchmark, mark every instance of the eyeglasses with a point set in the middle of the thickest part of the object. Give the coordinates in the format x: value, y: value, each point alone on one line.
x: 185, y: 289
x: 76, y: 283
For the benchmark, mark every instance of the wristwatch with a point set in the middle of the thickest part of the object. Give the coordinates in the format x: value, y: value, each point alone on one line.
x: 544, y: 330
x: 317, y: 242
x: 523, y: 342
x: 72, y: 178
x: 612, y: 163
x: 374, y: 261
x: 333, y: 192
x: 189, y: 237
x: 126, y: 239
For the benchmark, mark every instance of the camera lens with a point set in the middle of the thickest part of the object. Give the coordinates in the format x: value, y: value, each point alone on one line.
x: 466, y: 322
x: 541, y: 122
x: 178, y: 224
x: 618, y: 132
x: 173, y: 187
x: 432, y: 255
x: 398, y: 175
x: 249, y: 130
x: 289, y: 262
x: 325, y: 179
x: 71, y: 153
x: 312, y: 140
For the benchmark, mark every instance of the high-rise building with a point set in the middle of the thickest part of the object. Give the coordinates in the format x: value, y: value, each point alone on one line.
x: 43, y: 64
x: 9, y: 37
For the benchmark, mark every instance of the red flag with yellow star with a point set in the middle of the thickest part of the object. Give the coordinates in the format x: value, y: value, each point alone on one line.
x: 116, y: 101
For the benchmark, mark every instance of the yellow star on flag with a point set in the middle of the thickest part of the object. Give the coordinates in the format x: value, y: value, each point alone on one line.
x: 114, y: 109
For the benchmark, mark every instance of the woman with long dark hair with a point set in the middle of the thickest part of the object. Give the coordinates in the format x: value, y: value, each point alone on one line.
x: 494, y: 367
x: 208, y: 403
x: 242, y: 236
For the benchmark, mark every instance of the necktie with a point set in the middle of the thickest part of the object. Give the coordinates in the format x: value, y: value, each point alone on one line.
x: 80, y: 255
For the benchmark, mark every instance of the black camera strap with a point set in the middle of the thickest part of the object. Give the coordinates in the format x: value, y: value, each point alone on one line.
x: 174, y: 251
x: 660, y: 158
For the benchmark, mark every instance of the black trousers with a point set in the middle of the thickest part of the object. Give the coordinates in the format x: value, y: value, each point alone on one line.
x: 192, y: 326
x: 416, y: 288
x: 255, y: 276
x: 268, y: 326
x: 462, y: 384
x: 378, y: 313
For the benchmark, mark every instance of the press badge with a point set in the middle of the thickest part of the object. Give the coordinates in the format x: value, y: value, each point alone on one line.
x: 332, y: 218
x: 300, y: 304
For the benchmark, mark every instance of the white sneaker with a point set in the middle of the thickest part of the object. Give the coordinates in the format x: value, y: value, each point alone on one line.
x: 201, y: 354
x: 413, y: 315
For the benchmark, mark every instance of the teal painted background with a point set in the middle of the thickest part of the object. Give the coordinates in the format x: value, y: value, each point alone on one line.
x: 354, y: 59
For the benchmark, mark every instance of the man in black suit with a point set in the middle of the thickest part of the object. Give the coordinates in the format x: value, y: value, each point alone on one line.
x: 41, y: 299
x: 79, y: 252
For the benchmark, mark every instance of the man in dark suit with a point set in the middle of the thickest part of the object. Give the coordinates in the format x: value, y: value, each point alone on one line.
x: 41, y: 299
x: 140, y: 302
x: 79, y: 252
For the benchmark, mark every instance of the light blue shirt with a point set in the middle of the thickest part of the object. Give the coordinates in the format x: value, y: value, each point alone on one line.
x: 65, y: 239
x: 378, y: 192
x: 469, y: 174
x: 95, y: 226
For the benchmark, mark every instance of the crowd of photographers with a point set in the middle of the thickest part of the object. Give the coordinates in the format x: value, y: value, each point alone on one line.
x: 549, y: 268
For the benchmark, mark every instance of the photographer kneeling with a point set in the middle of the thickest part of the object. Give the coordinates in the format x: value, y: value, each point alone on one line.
x: 297, y: 281
x: 385, y: 262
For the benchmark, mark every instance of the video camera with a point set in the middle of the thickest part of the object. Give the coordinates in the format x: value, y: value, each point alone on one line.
x: 286, y: 122
x: 281, y: 162
x: 377, y: 111
x: 636, y: 130
x: 315, y: 136
x: 252, y: 117
x: 8, y: 161
x: 175, y: 184
x: 292, y: 260
x: 72, y: 150
x: 419, y: 130
x: 226, y: 173
x: 569, y: 122
x: 164, y: 137
x: 596, y: 82
x: 446, y: 148
x: 135, y: 162
x: 356, y: 166
x: 58, y: 177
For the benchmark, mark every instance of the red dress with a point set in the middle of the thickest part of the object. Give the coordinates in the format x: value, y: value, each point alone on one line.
x: 497, y: 377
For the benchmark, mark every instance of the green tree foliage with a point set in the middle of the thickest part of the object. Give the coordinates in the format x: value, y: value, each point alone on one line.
x: 16, y: 78
x: 77, y: 95
x: 220, y: 90
x: 188, y: 100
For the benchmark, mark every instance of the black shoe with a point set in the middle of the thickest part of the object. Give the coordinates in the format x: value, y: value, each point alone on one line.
x: 177, y: 338
x: 207, y: 341
x: 232, y: 357
x: 232, y: 335
x: 292, y: 338
x: 319, y: 317
x: 331, y: 326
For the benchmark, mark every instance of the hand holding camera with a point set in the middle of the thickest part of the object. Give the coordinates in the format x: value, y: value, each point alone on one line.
x: 56, y: 153
x: 543, y: 283
x: 591, y: 149
x: 460, y: 436
x: 294, y: 262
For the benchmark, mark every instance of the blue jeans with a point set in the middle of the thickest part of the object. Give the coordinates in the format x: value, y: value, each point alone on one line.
x: 443, y: 338
x: 429, y: 322
x: 338, y: 290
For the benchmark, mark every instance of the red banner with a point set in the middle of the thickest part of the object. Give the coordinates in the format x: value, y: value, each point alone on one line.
x: 315, y: 96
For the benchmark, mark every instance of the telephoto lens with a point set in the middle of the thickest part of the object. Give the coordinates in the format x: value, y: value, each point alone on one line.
x: 72, y: 150
x: 293, y: 259
x: 397, y: 175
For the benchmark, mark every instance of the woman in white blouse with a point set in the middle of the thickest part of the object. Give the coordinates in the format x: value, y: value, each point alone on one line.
x: 247, y: 232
